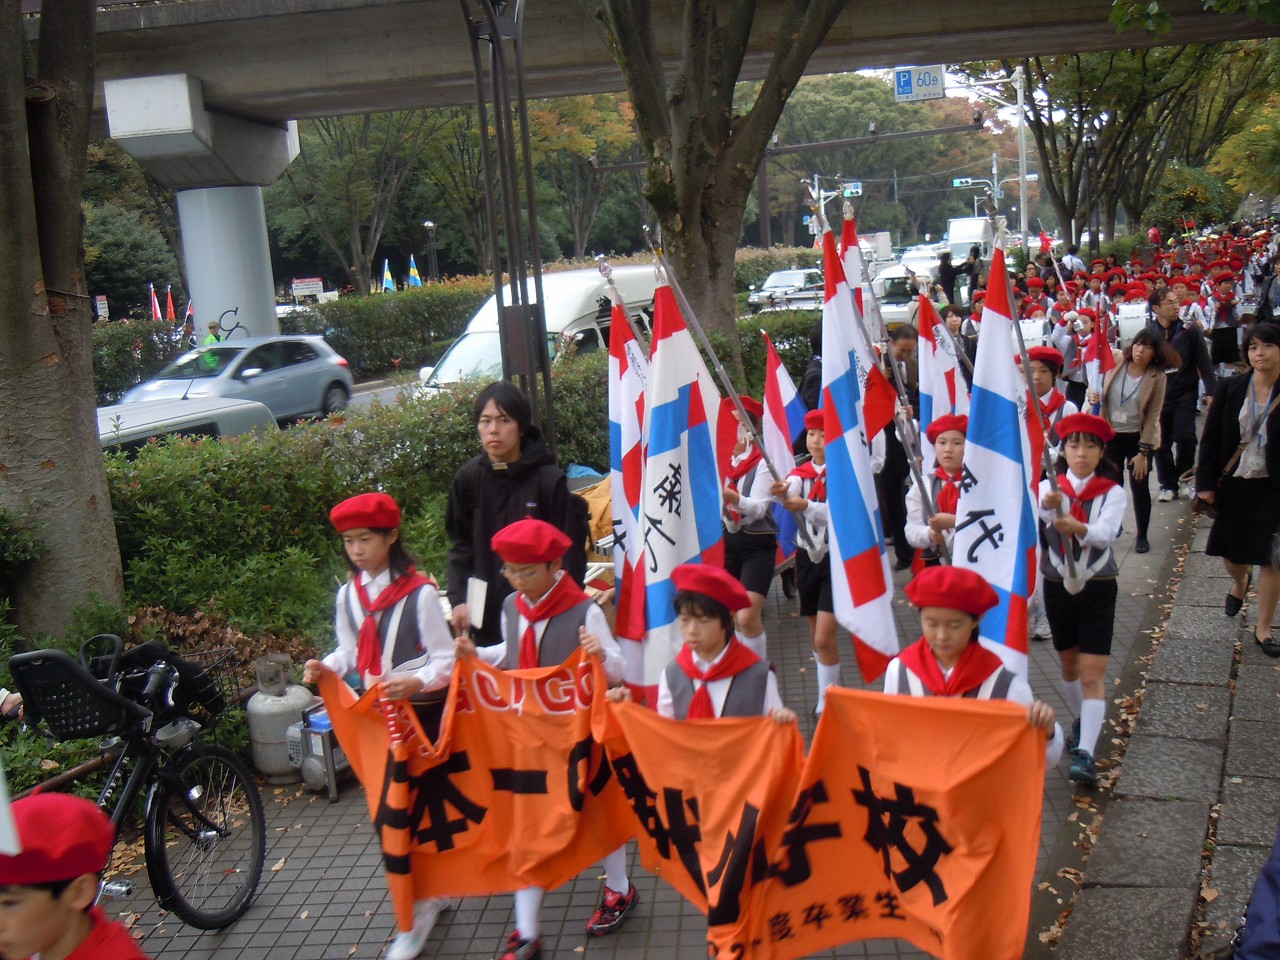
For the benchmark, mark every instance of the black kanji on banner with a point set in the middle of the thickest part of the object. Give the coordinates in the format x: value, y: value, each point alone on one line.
x: 887, y: 823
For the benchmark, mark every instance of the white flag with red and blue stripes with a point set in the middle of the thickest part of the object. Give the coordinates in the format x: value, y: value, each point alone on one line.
x: 783, y: 421
x: 861, y: 584
x: 680, y: 498
x: 942, y: 386
x: 996, y: 518
x: 628, y: 375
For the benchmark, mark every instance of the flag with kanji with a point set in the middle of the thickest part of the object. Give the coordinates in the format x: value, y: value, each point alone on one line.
x: 783, y: 421
x: 861, y: 584
x: 879, y: 395
x: 628, y: 375
x: 995, y: 532
x: 680, y: 499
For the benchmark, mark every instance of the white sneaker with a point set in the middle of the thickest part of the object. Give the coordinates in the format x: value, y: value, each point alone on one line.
x: 1189, y: 491
x: 406, y: 946
x: 1165, y: 496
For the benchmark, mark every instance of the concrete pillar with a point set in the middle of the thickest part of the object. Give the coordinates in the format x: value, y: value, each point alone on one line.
x: 224, y: 240
x: 217, y: 165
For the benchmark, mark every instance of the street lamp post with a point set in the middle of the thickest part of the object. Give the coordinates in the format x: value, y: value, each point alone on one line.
x: 1091, y: 175
x: 433, y: 271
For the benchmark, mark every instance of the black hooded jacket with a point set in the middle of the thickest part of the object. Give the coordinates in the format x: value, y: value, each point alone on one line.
x: 487, y: 496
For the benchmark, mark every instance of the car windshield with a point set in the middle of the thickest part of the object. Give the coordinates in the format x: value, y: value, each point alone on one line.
x: 787, y: 278
x: 897, y: 290
x: 475, y: 354
x: 204, y: 362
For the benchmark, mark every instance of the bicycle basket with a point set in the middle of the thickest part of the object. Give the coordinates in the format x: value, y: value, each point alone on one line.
x: 68, y: 698
x: 197, y: 689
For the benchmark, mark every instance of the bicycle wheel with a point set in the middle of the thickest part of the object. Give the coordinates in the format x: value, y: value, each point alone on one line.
x: 206, y: 839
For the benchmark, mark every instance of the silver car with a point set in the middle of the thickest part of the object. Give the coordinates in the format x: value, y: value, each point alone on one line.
x: 295, y: 376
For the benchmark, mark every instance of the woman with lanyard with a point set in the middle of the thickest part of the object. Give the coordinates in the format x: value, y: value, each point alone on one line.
x: 1131, y: 398
x: 1239, y: 474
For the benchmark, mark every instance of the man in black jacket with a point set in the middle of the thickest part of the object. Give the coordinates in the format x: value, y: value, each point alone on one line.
x: 1178, y: 415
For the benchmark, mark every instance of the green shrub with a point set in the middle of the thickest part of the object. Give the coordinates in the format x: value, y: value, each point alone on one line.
x: 19, y: 545
x: 126, y: 352
x: 384, y: 333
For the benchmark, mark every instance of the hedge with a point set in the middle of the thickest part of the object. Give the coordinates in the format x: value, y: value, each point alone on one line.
x: 126, y: 352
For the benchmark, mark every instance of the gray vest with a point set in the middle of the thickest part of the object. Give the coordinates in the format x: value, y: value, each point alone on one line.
x: 1094, y: 563
x: 559, y: 638
x: 744, y: 699
x: 407, y: 643
x: 765, y: 525
x: 995, y: 687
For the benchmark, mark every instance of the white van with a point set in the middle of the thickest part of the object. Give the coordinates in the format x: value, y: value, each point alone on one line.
x: 128, y: 426
x: 964, y: 233
x: 578, y: 305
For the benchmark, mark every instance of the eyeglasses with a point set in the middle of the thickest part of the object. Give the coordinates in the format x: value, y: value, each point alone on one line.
x: 519, y: 573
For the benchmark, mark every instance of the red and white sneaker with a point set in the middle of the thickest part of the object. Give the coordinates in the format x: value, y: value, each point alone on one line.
x: 518, y: 949
x: 613, y: 910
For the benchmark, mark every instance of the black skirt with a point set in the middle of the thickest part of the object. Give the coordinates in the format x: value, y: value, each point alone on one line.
x: 1248, y: 517
x: 1225, y: 345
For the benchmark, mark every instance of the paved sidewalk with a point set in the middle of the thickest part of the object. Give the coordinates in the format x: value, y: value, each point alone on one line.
x: 323, y: 896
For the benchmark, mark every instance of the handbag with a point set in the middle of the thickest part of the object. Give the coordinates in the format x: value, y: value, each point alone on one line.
x: 1202, y: 507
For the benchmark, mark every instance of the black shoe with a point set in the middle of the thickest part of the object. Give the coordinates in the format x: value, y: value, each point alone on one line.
x: 1141, y: 546
x: 903, y: 563
x: 1231, y: 606
x: 1270, y: 646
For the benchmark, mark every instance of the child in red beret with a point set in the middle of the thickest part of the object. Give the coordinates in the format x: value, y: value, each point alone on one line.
x: 543, y: 623
x: 804, y: 493
x: 1082, y: 612
x: 47, y: 891
x: 391, y: 630
x: 947, y: 434
x: 948, y: 660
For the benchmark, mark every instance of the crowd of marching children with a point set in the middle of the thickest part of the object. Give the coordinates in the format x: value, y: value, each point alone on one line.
x: 514, y: 526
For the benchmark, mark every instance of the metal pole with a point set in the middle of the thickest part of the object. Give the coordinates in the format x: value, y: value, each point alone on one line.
x: 1020, y: 79
x: 762, y: 201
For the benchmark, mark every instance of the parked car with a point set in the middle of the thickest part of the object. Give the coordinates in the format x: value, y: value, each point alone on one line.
x: 127, y: 426
x: 295, y: 376
x: 795, y: 289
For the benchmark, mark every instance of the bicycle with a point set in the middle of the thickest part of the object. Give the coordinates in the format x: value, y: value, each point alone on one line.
x: 204, y: 827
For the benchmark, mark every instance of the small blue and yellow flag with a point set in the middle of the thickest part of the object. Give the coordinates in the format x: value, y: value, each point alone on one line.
x: 388, y: 284
x: 415, y: 280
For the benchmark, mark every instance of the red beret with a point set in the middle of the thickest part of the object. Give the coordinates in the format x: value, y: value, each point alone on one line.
x: 1089, y: 312
x: 1222, y: 277
x: 1176, y: 279
x: 372, y: 511
x: 1094, y: 263
x: 980, y: 295
x: 1079, y: 275
x: 1049, y: 355
x: 941, y: 425
x: 530, y: 541
x: 713, y: 582
x: 1219, y: 264
x: 814, y: 420
x: 955, y: 588
x: 1071, y: 286
x: 1085, y: 423
x: 752, y: 406
x: 1035, y: 283
x: 62, y: 837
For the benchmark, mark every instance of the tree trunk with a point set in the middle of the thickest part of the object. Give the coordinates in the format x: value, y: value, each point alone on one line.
x: 51, y: 467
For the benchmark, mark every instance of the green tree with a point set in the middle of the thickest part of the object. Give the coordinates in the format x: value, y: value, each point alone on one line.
x: 1188, y: 193
x: 123, y: 252
x: 1250, y: 159
x: 702, y: 152
x: 52, y: 476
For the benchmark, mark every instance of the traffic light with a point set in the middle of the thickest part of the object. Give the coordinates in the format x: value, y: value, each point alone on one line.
x: 962, y: 182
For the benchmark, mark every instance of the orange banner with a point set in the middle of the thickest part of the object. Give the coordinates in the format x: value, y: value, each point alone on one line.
x: 515, y: 793
x: 913, y: 818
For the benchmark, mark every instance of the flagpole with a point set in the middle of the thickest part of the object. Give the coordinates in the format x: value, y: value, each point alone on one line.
x: 908, y: 433
x: 743, y: 418
x: 606, y: 271
x: 1045, y: 455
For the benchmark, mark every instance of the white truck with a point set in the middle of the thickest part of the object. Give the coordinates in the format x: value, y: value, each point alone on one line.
x: 965, y: 233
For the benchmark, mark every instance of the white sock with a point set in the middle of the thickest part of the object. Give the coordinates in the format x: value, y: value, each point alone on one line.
x: 1092, y: 713
x: 755, y: 644
x: 1075, y: 695
x: 615, y: 871
x: 828, y: 673
x: 528, y: 906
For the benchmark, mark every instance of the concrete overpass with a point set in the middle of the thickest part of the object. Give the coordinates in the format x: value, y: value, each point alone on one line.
x: 278, y: 60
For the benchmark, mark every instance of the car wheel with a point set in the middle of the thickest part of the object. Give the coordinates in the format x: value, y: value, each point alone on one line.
x: 335, y: 399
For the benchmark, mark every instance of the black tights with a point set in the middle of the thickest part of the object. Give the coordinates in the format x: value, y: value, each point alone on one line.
x: 1120, y: 451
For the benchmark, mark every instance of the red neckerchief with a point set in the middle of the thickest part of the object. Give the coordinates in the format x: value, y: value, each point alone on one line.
x: 974, y: 666
x: 808, y: 471
x: 736, y: 473
x: 1056, y: 400
x: 1229, y: 300
x: 1095, y: 488
x: 734, y: 660
x: 368, y: 646
x: 564, y: 595
x: 949, y: 494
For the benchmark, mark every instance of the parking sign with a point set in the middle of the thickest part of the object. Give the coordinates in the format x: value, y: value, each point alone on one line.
x: 919, y: 83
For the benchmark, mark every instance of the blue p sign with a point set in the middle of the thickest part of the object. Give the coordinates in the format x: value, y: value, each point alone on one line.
x: 902, y: 83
